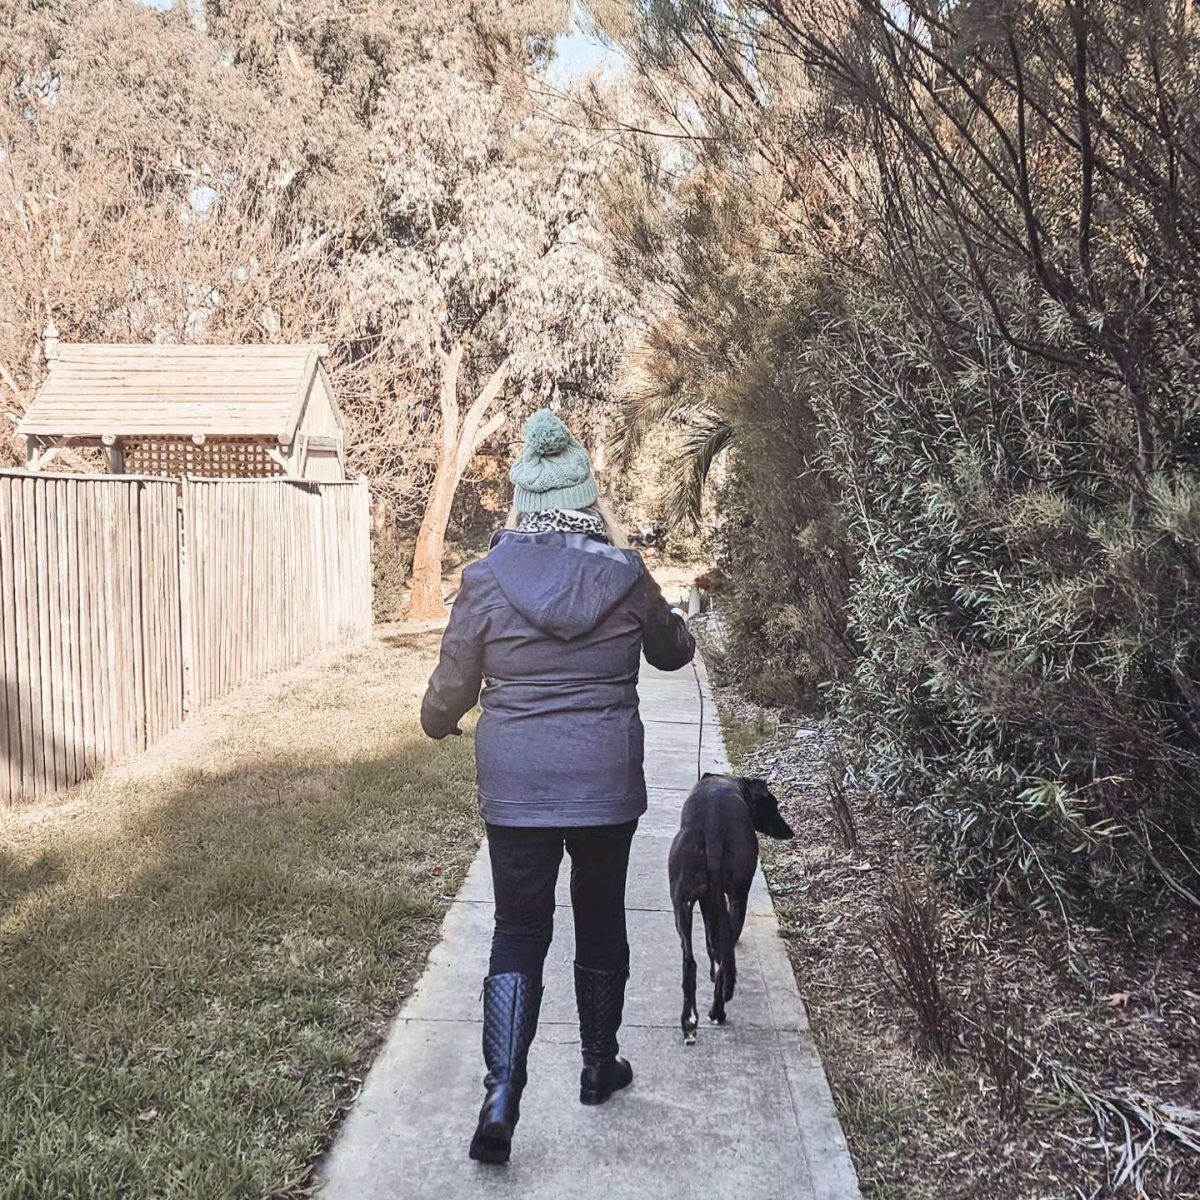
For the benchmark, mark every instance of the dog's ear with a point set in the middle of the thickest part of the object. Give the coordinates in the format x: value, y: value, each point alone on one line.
x: 764, y: 810
x: 707, y: 775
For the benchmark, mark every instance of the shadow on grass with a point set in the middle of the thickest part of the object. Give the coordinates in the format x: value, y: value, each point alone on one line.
x: 192, y: 982
x: 425, y: 639
x: 18, y: 877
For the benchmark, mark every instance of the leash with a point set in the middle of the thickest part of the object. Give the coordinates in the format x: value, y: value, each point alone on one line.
x: 699, y: 690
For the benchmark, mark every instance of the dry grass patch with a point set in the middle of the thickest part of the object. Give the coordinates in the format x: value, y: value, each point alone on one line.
x: 199, y: 951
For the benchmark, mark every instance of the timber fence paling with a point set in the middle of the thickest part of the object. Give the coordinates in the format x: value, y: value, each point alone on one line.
x: 108, y: 697
x: 268, y: 573
x: 60, y: 728
x: 92, y: 635
x: 133, y: 535
x: 69, y: 617
x: 78, y: 534
x: 34, y: 769
x: 11, y: 560
x: 127, y: 601
x: 10, y: 729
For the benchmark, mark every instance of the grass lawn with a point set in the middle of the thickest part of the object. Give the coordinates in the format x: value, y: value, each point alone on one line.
x: 200, y: 950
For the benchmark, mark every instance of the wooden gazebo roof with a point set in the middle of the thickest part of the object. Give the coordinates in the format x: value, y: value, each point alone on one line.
x: 116, y: 391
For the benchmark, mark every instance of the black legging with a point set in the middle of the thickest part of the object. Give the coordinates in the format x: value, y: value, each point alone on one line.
x: 525, y: 866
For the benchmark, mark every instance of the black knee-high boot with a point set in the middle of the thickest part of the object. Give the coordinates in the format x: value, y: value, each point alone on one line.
x: 510, y: 1016
x: 600, y: 996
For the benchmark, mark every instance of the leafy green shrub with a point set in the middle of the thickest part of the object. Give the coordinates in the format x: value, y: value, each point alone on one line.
x: 781, y: 537
x: 391, y: 563
x: 787, y: 583
x: 937, y: 288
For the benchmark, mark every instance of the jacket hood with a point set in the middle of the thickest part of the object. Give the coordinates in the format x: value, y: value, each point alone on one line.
x: 563, y: 583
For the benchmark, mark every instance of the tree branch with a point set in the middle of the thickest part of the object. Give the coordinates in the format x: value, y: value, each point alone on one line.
x: 490, y: 426
x: 471, y: 433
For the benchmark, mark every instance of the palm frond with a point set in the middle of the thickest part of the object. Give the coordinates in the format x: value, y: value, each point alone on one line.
x: 658, y: 385
x: 708, y: 436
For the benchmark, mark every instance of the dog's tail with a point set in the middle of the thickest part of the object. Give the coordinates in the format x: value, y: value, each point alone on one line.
x: 713, y: 852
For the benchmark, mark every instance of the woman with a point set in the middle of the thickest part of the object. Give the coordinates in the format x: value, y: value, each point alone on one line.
x: 552, y: 624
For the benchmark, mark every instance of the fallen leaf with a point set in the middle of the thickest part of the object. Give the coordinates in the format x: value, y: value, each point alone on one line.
x: 1118, y: 999
x: 148, y: 1114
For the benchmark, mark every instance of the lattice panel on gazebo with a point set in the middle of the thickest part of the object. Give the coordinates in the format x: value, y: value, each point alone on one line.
x: 215, y: 458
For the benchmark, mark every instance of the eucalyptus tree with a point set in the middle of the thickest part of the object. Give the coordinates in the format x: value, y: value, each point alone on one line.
x: 489, y: 269
x: 460, y: 216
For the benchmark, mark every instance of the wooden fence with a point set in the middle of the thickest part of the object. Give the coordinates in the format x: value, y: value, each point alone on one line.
x: 127, y: 602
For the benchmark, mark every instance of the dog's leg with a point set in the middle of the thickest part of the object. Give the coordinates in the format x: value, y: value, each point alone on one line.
x: 710, y: 926
x: 726, y: 964
x: 737, y: 910
x: 690, y: 1020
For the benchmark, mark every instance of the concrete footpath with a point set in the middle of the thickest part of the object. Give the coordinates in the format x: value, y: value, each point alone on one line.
x: 746, y: 1113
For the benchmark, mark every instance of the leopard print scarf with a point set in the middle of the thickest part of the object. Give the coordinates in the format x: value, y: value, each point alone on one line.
x: 563, y: 520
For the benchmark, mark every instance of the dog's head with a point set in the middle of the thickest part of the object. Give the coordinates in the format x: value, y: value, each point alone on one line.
x: 764, y: 809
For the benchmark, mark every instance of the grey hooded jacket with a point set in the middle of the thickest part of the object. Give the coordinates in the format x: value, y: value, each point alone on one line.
x: 552, y: 626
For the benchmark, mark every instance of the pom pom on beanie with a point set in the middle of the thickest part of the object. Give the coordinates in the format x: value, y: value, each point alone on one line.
x: 545, y: 434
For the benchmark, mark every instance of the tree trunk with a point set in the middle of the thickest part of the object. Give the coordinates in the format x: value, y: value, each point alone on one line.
x: 427, y: 598
x: 460, y: 440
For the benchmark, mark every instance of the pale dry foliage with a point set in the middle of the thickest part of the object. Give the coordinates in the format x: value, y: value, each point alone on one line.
x: 491, y: 234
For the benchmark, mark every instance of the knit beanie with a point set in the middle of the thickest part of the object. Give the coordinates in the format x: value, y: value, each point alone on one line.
x: 554, y: 470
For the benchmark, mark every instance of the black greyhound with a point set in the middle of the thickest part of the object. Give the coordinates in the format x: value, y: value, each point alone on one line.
x: 712, y: 861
